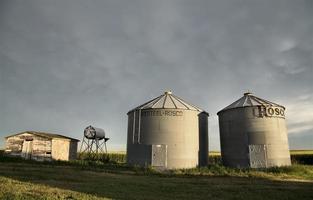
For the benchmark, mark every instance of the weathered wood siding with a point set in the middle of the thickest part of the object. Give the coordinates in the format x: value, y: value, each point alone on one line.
x: 42, y: 149
x: 60, y: 149
x: 31, y: 146
x: 63, y: 149
x: 73, y: 150
x: 14, y: 145
x: 41, y: 146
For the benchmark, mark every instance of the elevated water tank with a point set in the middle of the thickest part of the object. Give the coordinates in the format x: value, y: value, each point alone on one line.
x: 91, y: 132
x: 253, y: 134
x: 168, y: 133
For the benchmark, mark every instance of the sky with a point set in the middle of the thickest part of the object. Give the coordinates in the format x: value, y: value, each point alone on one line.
x: 65, y: 65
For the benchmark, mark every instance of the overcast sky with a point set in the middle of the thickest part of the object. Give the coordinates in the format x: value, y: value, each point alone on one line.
x: 65, y: 65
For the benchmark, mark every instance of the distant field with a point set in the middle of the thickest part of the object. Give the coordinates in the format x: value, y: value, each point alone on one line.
x: 297, y: 152
x: 214, y: 153
x: 113, y: 179
x: 118, y: 152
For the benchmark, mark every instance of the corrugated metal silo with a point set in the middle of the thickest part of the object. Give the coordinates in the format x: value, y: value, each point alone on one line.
x: 253, y: 133
x: 167, y: 133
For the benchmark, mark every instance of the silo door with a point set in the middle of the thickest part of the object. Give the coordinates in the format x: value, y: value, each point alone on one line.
x: 159, y: 155
x: 258, y: 156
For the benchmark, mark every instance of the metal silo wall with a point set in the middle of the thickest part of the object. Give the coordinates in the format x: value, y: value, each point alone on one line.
x: 248, y: 140
x: 203, y: 139
x: 178, y: 132
x: 137, y: 154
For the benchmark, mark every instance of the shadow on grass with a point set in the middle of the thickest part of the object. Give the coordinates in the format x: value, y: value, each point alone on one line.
x: 119, y: 181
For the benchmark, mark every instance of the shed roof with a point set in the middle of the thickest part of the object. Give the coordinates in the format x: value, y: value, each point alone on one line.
x: 167, y: 100
x: 44, y: 134
x: 249, y: 100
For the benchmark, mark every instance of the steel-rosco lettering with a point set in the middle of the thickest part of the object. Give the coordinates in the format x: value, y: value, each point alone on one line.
x: 172, y: 113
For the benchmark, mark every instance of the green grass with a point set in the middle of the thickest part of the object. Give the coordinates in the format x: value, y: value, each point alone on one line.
x: 32, y: 181
x: 111, y: 178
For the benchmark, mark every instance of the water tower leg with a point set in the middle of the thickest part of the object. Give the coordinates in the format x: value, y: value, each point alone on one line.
x: 105, y: 146
x: 97, y: 146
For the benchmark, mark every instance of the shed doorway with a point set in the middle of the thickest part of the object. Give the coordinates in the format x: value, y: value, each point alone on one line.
x: 27, y: 149
x: 159, y: 156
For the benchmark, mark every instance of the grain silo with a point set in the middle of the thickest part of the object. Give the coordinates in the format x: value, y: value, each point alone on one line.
x: 253, y: 133
x: 167, y: 133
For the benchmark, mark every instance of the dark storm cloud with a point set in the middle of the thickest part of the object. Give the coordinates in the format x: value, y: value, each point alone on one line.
x: 67, y: 64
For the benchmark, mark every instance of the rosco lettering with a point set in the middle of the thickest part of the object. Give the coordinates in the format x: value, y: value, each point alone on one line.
x: 262, y: 111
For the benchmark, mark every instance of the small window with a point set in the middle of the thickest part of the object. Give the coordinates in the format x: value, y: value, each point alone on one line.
x: 49, y: 152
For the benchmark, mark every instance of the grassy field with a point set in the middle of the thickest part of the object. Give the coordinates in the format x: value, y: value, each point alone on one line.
x: 20, y: 179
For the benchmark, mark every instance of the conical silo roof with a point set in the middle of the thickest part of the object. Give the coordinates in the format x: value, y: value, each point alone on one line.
x: 167, y: 100
x: 249, y: 100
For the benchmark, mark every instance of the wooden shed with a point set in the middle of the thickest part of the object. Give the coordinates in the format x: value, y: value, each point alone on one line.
x: 41, y: 146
